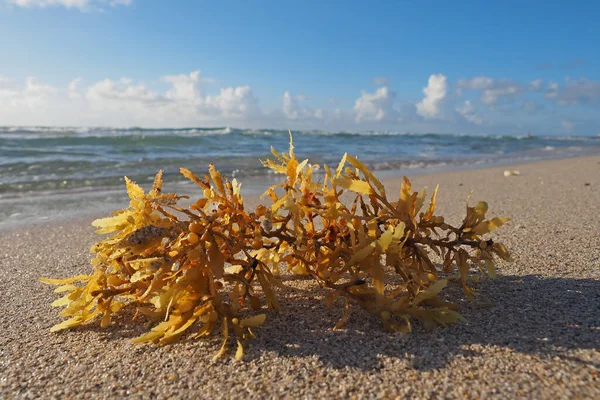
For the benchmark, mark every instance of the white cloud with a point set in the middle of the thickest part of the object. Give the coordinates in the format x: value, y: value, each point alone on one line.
x: 536, y: 84
x: 468, y: 111
x: 24, y: 103
x: 32, y: 86
x: 572, y: 92
x: 83, y: 5
x: 293, y: 108
x: 491, y: 96
x: 493, y: 90
x: 290, y: 106
x: 338, y: 114
x: 476, y: 83
x: 581, y: 91
x: 185, y: 100
x: 109, y: 91
x: 126, y: 102
x: 552, y: 91
x: 8, y: 96
x: 49, y: 3
x: 73, y: 89
x: 122, y: 101
x: 376, y: 106
x: 435, y: 92
x: 235, y: 103
x: 466, y: 108
x: 33, y: 94
x: 185, y: 88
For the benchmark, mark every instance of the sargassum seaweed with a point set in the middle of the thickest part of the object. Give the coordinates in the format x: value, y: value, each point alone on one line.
x: 190, y: 270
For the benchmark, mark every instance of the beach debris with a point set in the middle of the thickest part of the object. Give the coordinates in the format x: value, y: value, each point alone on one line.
x: 190, y: 271
x: 511, y: 173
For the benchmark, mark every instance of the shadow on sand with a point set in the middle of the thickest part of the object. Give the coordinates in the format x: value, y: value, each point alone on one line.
x: 527, y: 314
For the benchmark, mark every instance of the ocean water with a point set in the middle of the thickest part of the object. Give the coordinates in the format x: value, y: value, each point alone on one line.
x: 49, y: 171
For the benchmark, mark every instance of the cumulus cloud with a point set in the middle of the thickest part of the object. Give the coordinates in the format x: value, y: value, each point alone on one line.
x: 376, y: 106
x: 235, y: 103
x: 27, y: 103
x: 493, y: 90
x: 6, y: 92
x: 185, y: 87
x: 294, y: 109
x: 491, y: 96
x: 503, y: 91
x: 32, y: 95
x: 83, y: 5
x: 290, y: 106
x: 476, y: 83
x: 581, y: 91
x: 536, y: 84
x: 468, y: 112
x: 435, y: 92
x: 73, y: 89
x: 108, y: 91
x: 185, y: 100
x: 126, y: 102
x: 35, y: 88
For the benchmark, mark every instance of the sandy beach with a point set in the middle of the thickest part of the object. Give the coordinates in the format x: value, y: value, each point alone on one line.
x: 534, y: 332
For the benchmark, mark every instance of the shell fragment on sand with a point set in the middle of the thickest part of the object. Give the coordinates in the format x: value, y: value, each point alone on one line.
x: 508, y: 173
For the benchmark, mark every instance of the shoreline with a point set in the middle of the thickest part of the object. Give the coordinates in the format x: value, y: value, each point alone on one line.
x: 111, y: 199
x: 534, y: 332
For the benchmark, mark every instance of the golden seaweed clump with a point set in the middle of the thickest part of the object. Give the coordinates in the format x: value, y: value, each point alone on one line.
x: 213, y: 263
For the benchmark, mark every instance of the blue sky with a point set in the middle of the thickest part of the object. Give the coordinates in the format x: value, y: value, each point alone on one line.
x: 468, y: 66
